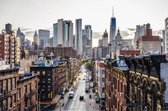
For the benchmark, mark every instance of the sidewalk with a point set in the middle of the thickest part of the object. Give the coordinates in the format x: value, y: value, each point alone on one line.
x: 54, y: 101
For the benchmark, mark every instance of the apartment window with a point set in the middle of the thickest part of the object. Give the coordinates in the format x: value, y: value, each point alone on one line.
x: 15, y: 81
x: 11, y: 84
x: 19, y: 94
x: 30, y: 87
x: 5, y: 104
x: 49, y: 95
x: 6, y: 85
x: 1, y: 87
x: 11, y: 102
x: 118, y: 86
x: 26, y: 89
x: 14, y: 99
x: 43, y: 73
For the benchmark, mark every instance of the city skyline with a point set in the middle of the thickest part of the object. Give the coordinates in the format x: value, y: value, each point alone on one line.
x: 33, y: 15
x: 37, y: 14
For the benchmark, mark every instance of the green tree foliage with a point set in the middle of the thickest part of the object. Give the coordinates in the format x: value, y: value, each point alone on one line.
x: 89, y: 65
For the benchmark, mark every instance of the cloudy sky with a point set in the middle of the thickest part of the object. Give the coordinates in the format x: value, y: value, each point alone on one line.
x: 41, y: 14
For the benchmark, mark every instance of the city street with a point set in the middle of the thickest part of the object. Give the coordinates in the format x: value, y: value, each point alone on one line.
x: 74, y: 104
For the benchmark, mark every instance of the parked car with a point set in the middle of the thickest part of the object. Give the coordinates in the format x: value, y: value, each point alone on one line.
x: 97, y: 99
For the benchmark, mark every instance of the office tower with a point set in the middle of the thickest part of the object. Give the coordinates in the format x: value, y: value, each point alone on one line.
x: 28, y: 44
x: 60, y: 32
x: 43, y: 38
x: 105, y: 39
x: 88, y: 31
x: 166, y: 36
x: 22, y: 39
x: 63, y: 33
x: 73, y: 41
x: 78, y: 36
x: 50, y: 42
x: 140, y: 31
x: 67, y: 33
x: 112, y: 28
x: 85, y: 42
x: 55, y: 34
x: 36, y: 41
x: 149, y: 43
x: 8, y: 46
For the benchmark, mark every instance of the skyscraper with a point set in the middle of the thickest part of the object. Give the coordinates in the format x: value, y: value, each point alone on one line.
x: 36, y: 41
x: 22, y: 39
x: 105, y: 39
x: 68, y: 33
x: 78, y: 36
x: 88, y: 31
x: 60, y: 32
x: 63, y: 33
x: 43, y: 38
x: 55, y: 34
x: 166, y: 36
x: 112, y: 28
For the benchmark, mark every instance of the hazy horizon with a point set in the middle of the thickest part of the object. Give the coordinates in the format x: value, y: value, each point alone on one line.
x: 38, y: 14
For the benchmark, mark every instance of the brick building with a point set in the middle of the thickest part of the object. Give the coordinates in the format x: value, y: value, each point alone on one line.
x: 115, y: 87
x: 27, y: 98
x: 8, y: 89
x: 137, y: 87
x: 17, y: 93
x: 52, y: 78
x: 9, y: 50
x: 61, y: 51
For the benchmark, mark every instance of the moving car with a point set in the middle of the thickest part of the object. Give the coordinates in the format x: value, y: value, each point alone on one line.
x: 81, y: 97
x: 71, y: 94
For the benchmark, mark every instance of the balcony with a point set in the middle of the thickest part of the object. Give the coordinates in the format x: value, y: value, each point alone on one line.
x: 5, y: 95
x: 33, y: 92
x: 30, y: 108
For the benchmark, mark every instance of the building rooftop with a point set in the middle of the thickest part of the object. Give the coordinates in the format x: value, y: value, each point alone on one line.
x: 48, y: 62
x: 26, y: 76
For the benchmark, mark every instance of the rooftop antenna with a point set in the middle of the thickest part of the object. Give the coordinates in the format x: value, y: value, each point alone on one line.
x: 112, y: 11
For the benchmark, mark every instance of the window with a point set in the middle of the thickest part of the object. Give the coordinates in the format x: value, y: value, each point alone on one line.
x: 49, y: 95
x: 11, y: 84
x: 1, y: 87
x: 30, y: 87
x: 26, y: 89
x: 11, y: 102
x: 43, y: 73
x: 19, y: 94
x: 6, y: 85
x: 15, y: 81
x: 14, y: 99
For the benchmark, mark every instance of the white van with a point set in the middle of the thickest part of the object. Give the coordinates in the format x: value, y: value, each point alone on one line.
x: 71, y: 94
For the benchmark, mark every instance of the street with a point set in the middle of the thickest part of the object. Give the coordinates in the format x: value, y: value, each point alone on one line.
x: 74, y: 104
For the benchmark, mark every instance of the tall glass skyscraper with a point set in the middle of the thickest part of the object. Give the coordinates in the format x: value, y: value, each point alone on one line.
x: 78, y: 36
x: 112, y: 28
x: 55, y: 36
x: 63, y: 33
